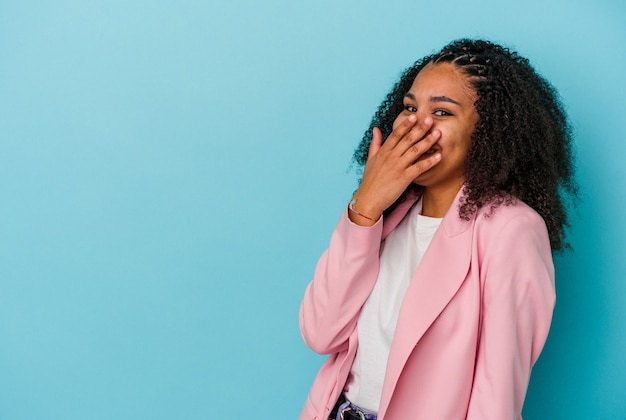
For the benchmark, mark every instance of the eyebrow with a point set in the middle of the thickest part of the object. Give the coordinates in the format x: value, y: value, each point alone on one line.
x: 441, y: 98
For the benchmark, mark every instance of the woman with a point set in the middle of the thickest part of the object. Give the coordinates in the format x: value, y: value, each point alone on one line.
x: 435, y: 296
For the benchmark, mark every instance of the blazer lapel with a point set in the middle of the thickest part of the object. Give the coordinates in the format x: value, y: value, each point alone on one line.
x: 436, y: 280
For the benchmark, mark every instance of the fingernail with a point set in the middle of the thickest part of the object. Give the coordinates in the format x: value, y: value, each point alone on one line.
x: 412, y: 118
x: 427, y: 120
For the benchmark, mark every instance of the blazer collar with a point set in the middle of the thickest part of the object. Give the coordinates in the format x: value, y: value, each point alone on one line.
x: 438, y: 277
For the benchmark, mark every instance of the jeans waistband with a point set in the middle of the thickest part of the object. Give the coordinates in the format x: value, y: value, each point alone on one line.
x: 347, y: 411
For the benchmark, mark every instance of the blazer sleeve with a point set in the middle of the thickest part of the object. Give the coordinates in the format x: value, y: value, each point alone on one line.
x: 344, y: 277
x: 518, y: 298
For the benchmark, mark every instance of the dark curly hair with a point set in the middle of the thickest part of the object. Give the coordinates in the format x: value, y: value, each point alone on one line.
x: 522, y: 144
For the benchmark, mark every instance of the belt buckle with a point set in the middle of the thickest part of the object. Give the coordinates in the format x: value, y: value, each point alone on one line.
x: 347, y: 409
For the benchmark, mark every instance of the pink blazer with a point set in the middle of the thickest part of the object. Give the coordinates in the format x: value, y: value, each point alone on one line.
x: 472, y: 324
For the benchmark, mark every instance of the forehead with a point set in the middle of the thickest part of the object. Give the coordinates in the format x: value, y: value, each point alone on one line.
x: 443, y: 78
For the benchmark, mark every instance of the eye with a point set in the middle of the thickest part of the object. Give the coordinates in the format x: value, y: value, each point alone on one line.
x: 410, y: 108
x: 442, y: 113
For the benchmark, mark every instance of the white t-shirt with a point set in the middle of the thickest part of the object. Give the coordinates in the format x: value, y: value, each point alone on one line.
x: 401, y: 252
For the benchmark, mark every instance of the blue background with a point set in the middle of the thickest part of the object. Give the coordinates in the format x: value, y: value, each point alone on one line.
x: 170, y: 172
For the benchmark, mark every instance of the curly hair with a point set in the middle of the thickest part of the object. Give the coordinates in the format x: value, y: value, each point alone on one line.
x: 521, y: 147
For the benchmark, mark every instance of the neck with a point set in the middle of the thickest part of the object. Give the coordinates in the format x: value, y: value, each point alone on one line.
x: 437, y: 202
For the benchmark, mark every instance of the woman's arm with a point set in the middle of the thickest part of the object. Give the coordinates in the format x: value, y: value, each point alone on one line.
x: 517, y: 274
x: 347, y: 271
x: 344, y: 277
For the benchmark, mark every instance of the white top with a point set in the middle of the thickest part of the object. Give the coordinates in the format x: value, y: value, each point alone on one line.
x: 401, y: 252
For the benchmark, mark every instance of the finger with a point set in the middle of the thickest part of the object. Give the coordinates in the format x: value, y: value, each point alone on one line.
x: 422, y: 165
x: 401, y: 130
x: 377, y: 141
x: 415, y: 150
x: 418, y: 132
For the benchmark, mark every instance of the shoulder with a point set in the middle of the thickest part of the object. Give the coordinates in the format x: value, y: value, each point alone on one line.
x: 515, y: 213
x: 511, y: 229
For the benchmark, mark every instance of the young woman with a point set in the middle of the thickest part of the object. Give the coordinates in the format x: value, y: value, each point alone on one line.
x: 435, y: 296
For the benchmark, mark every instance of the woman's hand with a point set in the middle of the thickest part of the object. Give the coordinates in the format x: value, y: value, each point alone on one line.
x: 391, y: 167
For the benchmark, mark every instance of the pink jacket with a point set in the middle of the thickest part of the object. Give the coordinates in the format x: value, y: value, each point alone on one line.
x: 472, y: 324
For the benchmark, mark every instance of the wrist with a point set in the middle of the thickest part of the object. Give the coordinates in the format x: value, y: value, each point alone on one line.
x: 370, y: 215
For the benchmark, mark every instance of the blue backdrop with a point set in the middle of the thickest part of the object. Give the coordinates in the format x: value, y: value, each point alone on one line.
x: 170, y: 172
